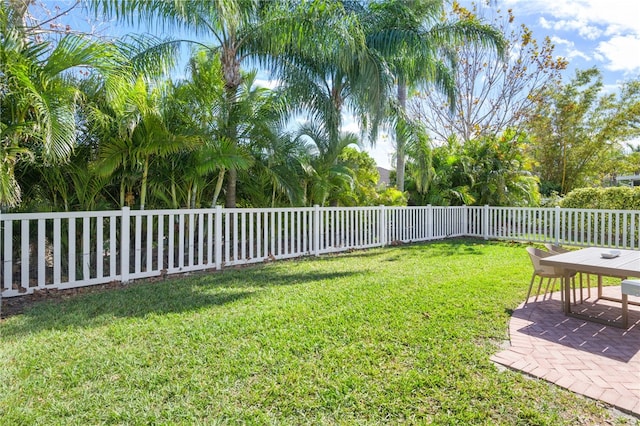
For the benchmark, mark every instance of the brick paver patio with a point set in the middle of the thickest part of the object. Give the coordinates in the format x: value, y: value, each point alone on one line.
x: 595, y: 360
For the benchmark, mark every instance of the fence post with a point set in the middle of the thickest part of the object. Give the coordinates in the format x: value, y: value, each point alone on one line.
x: 465, y: 219
x: 217, y: 236
x: 125, y: 229
x: 485, y: 222
x: 557, y: 226
x: 383, y: 226
x: 316, y: 230
x: 430, y: 222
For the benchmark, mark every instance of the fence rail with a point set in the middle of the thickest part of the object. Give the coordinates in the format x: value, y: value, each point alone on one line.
x: 65, y: 250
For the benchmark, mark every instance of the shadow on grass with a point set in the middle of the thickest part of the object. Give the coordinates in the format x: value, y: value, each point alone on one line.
x: 138, y: 300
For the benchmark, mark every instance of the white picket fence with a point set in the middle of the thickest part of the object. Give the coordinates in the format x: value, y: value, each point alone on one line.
x: 65, y: 250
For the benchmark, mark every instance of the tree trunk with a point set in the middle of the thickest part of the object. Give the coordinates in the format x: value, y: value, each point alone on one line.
x: 216, y: 193
x: 400, y: 141
x: 194, y: 195
x: 230, y: 200
x: 19, y: 8
x: 273, y: 196
x: 188, y: 193
x: 122, y: 191
x: 174, y: 197
x: 143, y: 186
x: 233, y: 80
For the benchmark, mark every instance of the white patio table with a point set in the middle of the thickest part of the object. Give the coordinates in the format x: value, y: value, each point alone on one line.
x: 591, y: 260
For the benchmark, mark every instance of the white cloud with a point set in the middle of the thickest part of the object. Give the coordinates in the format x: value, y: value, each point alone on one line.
x: 544, y: 23
x: 619, y: 15
x: 571, y: 51
x: 621, y: 53
x: 590, y: 32
x: 615, y: 24
x: 575, y: 53
x: 562, y: 41
x: 610, y: 88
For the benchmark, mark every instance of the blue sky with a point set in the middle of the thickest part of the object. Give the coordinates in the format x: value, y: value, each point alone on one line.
x: 602, y: 33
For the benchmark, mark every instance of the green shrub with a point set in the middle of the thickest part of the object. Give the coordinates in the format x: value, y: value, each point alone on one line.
x: 614, y: 198
x: 391, y: 197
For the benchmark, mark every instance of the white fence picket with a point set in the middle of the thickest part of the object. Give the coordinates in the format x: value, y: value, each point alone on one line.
x: 41, y: 253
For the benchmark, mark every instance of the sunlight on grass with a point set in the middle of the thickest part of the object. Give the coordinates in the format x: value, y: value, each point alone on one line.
x: 390, y: 335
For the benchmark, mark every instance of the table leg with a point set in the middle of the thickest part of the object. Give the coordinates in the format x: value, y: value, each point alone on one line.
x: 625, y: 311
x: 599, y: 286
x: 566, y: 287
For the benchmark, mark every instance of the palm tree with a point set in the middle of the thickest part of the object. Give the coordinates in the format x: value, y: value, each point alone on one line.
x: 269, y: 32
x: 39, y: 94
x: 278, y: 172
x: 133, y: 129
x: 199, y: 104
x: 438, y: 175
x: 499, y: 174
x: 338, y: 74
x: 72, y: 186
x: 420, y: 49
x: 326, y: 176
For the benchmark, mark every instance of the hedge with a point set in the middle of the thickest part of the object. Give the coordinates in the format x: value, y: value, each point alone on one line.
x: 613, y: 198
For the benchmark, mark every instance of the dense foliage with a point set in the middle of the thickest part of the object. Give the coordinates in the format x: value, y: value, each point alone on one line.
x: 612, y: 198
x: 577, y: 130
x: 488, y: 170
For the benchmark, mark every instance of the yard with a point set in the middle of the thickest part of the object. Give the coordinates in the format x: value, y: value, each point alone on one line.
x: 390, y: 335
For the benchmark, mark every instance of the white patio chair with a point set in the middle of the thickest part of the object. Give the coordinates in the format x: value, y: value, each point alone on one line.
x: 543, y: 271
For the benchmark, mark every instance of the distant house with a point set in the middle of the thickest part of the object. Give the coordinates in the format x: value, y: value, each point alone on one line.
x: 628, y: 180
x: 385, y: 178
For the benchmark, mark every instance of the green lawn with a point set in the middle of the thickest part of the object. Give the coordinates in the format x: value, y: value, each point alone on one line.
x: 394, y: 335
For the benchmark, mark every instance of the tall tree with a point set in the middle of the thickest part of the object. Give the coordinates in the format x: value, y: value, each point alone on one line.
x: 338, y: 75
x: 419, y: 45
x: 199, y: 104
x: 576, y: 127
x: 492, y: 93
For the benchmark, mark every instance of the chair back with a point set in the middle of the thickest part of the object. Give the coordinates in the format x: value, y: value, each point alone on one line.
x: 556, y: 249
x: 543, y: 270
